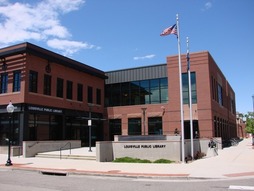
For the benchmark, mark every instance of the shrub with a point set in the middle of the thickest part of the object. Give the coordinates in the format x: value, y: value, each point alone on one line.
x: 136, y: 160
x: 163, y: 161
x: 131, y: 160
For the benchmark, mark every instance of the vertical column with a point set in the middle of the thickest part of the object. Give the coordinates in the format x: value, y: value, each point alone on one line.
x: 144, y: 120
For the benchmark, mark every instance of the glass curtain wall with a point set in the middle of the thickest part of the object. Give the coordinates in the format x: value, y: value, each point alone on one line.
x: 9, y: 130
x: 45, y: 127
x: 137, y: 92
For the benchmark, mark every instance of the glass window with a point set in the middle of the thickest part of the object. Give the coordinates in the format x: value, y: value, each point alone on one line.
x: 4, y: 83
x: 114, y: 91
x: 137, y: 92
x: 16, y: 81
x: 90, y: 94
x: 98, y: 96
x: 33, y: 81
x: 47, y: 84
x: 144, y: 92
x: 233, y: 106
x: 125, y: 90
x: 134, y: 126
x: 155, y: 91
x: 59, y: 87
x: 185, y: 88
x: 164, y: 90
x: 115, y: 128
x: 220, y: 95
x: 155, y: 126
x: 69, y: 89
x: 80, y: 92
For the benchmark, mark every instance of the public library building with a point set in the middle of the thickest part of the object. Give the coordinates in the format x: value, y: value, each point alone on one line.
x: 55, y: 96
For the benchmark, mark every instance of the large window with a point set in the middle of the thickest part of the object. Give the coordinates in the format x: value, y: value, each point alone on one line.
x: 137, y: 92
x: 185, y: 88
x: 80, y: 92
x: 163, y: 90
x: 155, y: 91
x: 4, y: 83
x: 4, y: 128
x: 220, y: 95
x: 69, y: 90
x: 45, y: 127
x: 90, y: 94
x: 155, y: 126
x: 115, y: 128
x: 113, y: 93
x: 33, y: 80
x: 134, y: 126
x: 59, y: 87
x: 144, y: 92
x: 98, y: 96
x: 16, y: 81
x: 47, y: 85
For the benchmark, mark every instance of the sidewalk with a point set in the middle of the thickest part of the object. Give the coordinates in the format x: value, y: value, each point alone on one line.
x: 235, y: 161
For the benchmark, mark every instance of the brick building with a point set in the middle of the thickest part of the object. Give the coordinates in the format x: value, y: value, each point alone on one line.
x: 54, y: 97
x: 146, y: 100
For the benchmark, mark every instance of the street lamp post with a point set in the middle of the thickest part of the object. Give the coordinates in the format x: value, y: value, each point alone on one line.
x: 90, y: 130
x: 10, y: 109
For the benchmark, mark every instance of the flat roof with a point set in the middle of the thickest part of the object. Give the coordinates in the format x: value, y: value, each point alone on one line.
x: 50, y: 56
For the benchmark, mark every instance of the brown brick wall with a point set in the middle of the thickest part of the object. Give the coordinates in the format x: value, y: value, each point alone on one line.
x: 204, y: 111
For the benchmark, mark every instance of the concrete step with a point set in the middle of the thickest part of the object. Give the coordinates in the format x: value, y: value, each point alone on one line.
x: 64, y: 156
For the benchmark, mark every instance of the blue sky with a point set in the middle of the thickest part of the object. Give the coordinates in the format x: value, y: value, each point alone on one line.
x: 114, y: 34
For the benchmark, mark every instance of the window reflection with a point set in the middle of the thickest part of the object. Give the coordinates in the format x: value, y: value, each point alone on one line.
x: 137, y: 92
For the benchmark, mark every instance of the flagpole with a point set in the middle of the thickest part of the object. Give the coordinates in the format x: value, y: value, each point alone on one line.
x: 190, y: 98
x: 180, y: 84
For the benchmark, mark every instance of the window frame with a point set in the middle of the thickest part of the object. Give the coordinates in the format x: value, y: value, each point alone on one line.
x: 33, y: 81
x: 4, y: 83
x: 47, y: 84
x: 16, y: 85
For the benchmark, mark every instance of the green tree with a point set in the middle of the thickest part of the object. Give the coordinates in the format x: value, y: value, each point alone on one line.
x: 250, y: 124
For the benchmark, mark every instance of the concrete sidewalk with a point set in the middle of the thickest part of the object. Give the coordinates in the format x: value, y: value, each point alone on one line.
x: 235, y: 161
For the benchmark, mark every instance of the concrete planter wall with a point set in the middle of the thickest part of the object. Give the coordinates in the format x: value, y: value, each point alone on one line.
x: 31, y: 148
x: 169, y: 148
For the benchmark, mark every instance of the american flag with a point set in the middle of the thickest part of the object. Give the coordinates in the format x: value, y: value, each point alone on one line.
x: 169, y: 30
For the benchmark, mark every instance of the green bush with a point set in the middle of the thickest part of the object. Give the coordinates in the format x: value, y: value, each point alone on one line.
x: 131, y: 160
x: 136, y: 160
x: 163, y: 161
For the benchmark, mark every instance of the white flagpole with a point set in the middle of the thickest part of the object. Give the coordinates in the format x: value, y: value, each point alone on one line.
x: 190, y: 98
x: 180, y: 84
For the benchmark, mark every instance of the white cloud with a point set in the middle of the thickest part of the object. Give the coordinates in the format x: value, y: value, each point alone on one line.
x: 68, y: 46
x: 39, y: 21
x: 66, y: 5
x: 143, y: 57
x: 208, y: 5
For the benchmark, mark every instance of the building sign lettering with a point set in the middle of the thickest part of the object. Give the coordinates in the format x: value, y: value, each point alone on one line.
x: 144, y: 146
x: 44, y: 109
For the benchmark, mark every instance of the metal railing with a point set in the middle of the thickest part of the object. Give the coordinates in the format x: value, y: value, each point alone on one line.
x: 35, y: 143
x: 69, y: 143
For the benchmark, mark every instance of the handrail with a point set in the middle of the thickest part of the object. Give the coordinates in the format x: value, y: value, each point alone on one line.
x: 33, y: 144
x: 63, y: 147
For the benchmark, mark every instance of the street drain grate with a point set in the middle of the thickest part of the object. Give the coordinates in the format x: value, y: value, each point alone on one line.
x: 54, y: 173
